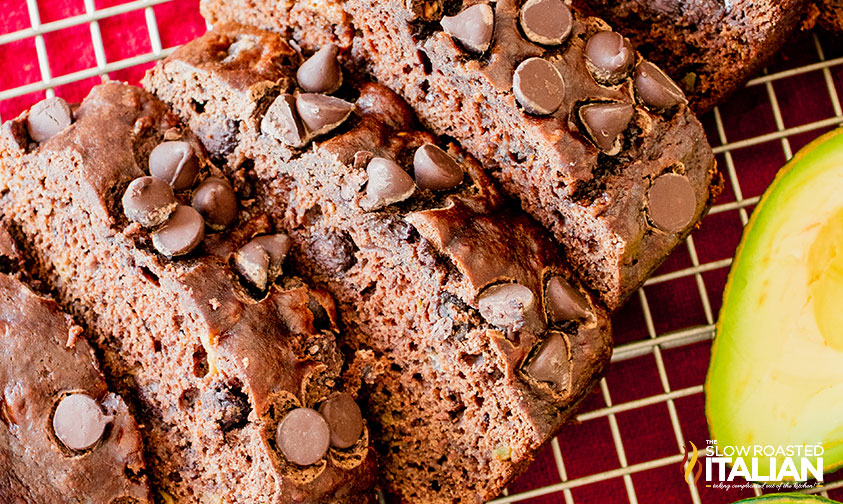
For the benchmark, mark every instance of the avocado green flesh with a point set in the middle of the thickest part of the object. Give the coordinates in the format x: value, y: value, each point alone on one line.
x: 791, y: 498
x: 776, y: 373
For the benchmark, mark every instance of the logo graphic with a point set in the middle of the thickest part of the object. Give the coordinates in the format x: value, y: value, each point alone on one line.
x: 694, y: 466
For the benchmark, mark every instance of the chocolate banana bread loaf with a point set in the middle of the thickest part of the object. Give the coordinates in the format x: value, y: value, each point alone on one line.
x: 64, y: 437
x: 598, y: 144
x: 239, y: 392
x: 710, y: 47
x: 484, y: 340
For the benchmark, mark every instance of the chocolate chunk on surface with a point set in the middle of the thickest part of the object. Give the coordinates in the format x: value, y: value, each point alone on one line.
x: 609, y: 56
x: 473, y: 26
x: 182, y: 233
x: 655, y: 88
x: 260, y: 260
x: 79, y: 421
x: 552, y: 362
x: 303, y: 436
x: 321, y: 73
x: 538, y: 86
x: 344, y: 419
x: 672, y: 203
x: 563, y: 301
x: 149, y: 201
x: 547, y: 22
x: 48, y: 118
x: 388, y: 183
x: 321, y: 113
x: 507, y: 305
x: 175, y: 163
x: 216, y: 202
x: 604, y: 123
x: 283, y: 123
x: 435, y: 169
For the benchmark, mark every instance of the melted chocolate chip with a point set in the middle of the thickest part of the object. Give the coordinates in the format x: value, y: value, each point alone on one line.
x: 334, y: 252
x: 655, y: 88
x: 215, y: 200
x: 282, y: 122
x: 564, y: 302
x: 259, y: 261
x: 546, y: 22
x: 473, y: 27
x: 388, y: 184
x: 604, y: 123
x: 48, y: 118
x: 507, y: 305
x: 551, y: 363
x: 219, y: 135
x: 148, y: 201
x: 303, y: 436
x: 229, y: 406
x: 344, y: 419
x: 79, y: 421
x: 175, y: 163
x: 609, y: 57
x: 321, y: 73
x: 435, y: 169
x: 321, y: 113
x: 538, y: 86
x: 182, y: 233
x: 672, y: 203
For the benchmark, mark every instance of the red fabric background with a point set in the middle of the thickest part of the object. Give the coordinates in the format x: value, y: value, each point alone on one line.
x: 586, y: 448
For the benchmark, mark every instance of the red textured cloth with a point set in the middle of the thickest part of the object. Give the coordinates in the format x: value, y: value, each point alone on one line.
x: 646, y: 434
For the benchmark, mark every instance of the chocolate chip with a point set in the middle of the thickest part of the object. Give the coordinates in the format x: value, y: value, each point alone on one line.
x: 218, y: 135
x: 260, y: 260
x: 79, y: 421
x: 551, y: 363
x: 655, y: 88
x: 344, y: 419
x: 604, y: 123
x: 282, y: 122
x: 303, y: 436
x: 175, y: 163
x: 320, y: 113
x: 546, y: 22
x: 321, y: 73
x: 564, y: 302
x: 228, y: 405
x: 538, y: 86
x: 388, y: 184
x: 609, y: 57
x: 47, y: 118
x: 473, y: 27
x: 215, y: 200
x: 148, y: 201
x: 181, y: 234
x: 435, y: 169
x: 672, y: 202
x: 335, y: 252
x: 507, y: 305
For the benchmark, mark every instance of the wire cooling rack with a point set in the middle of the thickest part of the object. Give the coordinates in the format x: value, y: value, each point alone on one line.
x: 627, y: 443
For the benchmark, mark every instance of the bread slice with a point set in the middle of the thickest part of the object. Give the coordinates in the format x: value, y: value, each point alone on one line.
x: 212, y: 368
x: 485, y: 339
x: 581, y: 155
x: 64, y: 436
x: 710, y: 47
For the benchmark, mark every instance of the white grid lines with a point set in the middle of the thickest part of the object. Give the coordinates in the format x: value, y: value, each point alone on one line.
x: 653, y: 345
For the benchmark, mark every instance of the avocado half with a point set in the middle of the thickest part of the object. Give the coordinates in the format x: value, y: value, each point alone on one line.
x: 776, y: 372
x: 788, y: 498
